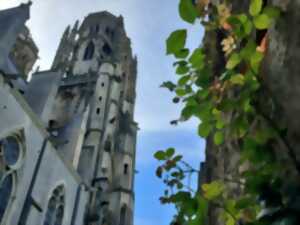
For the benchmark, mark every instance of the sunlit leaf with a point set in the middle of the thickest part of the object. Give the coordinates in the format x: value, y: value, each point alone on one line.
x: 233, y: 61
x: 204, y: 129
x: 255, y: 7
x: 183, y: 80
x: 188, y: 11
x: 182, y: 70
x: 218, y: 138
x: 213, y: 190
x: 170, y: 152
x: 197, y: 59
x: 176, y: 41
x: 237, y: 79
x: 262, y: 21
x: 255, y: 60
x: 160, y: 155
x: 180, y: 92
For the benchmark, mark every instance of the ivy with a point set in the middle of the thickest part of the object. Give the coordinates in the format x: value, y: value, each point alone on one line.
x: 227, y: 106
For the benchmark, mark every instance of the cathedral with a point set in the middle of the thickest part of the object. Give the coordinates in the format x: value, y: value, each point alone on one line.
x: 67, y: 134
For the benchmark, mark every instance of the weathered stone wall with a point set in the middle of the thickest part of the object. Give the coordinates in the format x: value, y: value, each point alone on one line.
x: 280, y: 74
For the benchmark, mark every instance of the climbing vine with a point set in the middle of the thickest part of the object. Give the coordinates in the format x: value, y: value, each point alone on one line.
x: 228, y: 103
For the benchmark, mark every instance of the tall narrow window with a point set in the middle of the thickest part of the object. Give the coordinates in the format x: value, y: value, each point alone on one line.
x: 98, y: 111
x: 125, y: 168
x: 89, y: 51
x: 107, y: 144
x: 123, y: 215
x: 97, y: 28
x: 106, y: 49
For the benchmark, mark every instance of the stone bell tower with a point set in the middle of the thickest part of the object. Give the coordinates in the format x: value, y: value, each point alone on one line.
x: 98, y: 88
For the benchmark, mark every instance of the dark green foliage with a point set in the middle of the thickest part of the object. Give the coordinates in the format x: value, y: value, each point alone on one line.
x: 212, y: 98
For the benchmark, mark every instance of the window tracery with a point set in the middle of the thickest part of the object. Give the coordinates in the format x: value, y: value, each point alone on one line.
x: 55, y: 210
x: 89, y: 51
x: 11, y: 154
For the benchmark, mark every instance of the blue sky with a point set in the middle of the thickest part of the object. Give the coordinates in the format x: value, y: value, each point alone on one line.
x: 148, y: 24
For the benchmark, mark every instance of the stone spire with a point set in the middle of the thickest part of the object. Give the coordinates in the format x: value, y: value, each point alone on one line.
x: 12, y: 22
x: 61, y: 51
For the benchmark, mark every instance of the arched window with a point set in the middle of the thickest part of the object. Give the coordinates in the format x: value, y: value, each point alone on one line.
x: 123, y: 215
x: 55, y: 210
x: 6, y: 187
x: 97, y: 28
x: 107, y: 144
x: 89, y: 51
x: 125, y: 170
x: 106, y: 49
x: 11, y: 154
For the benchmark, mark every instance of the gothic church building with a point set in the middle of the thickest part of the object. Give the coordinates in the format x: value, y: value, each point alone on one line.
x: 67, y: 136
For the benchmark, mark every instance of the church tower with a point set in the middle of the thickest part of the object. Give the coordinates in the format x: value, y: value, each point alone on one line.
x: 98, y: 87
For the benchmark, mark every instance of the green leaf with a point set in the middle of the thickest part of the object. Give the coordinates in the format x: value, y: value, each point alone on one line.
x: 169, y: 85
x: 204, y: 129
x: 255, y: 60
x: 181, y: 196
x: 229, y: 219
x: 160, y: 155
x: 177, y: 158
x: 248, y: 27
x: 187, y: 11
x: 176, y: 41
x: 170, y: 152
x: 237, y: 79
x: 205, y: 111
x: 180, y: 63
x: 213, y: 190
x: 201, y: 214
x: 233, y: 61
x: 176, y: 100
x: 203, y: 93
x: 255, y: 7
x: 181, y: 92
x: 182, y: 70
x: 245, y: 202
x: 220, y: 123
x: 197, y: 59
x: 262, y: 22
x: 183, y: 80
x: 182, y: 53
x: 272, y: 12
x: 159, y: 172
x: 188, y: 112
x: 204, y: 75
x: 219, y: 138
x: 248, y: 50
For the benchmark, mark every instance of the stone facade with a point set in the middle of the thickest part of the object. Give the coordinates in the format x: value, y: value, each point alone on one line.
x: 68, y: 136
x: 280, y: 81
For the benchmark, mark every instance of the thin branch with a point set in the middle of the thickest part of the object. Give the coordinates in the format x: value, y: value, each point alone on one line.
x: 189, y: 166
